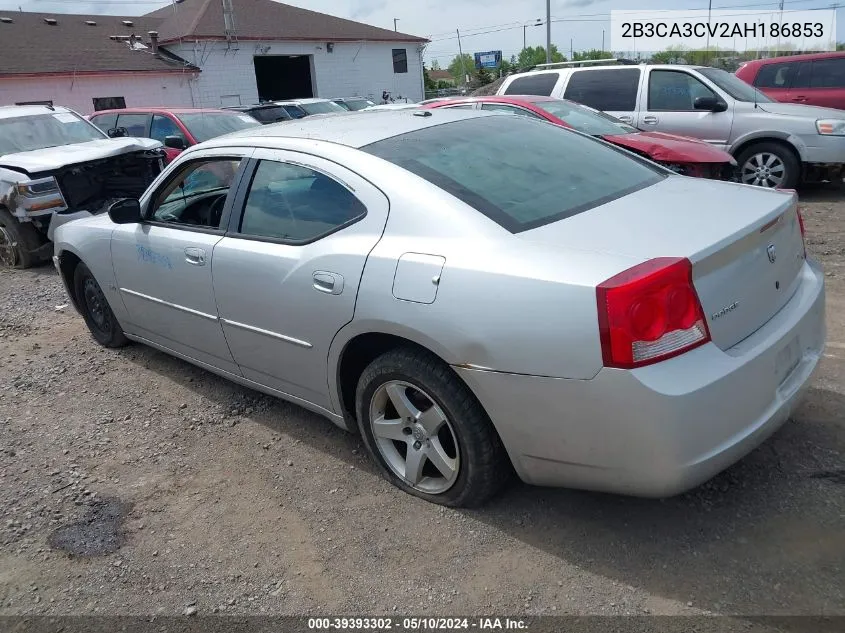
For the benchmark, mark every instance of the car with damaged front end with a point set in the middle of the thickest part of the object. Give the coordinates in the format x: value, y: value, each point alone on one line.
x: 55, y: 167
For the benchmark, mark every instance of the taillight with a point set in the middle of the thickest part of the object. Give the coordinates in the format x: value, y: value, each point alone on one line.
x: 803, y: 231
x: 649, y: 313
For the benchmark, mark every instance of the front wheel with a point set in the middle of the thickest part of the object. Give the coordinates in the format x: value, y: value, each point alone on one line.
x: 770, y: 165
x: 95, y: 309
x: 427, y: 432
x: 18, y: 241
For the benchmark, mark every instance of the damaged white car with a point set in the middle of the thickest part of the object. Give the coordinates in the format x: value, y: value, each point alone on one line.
x: 55, y: 167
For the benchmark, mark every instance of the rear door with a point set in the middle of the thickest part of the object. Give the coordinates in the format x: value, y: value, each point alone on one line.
x: 775, y: 80
x: 612, y: 90
x: 670, y: 95
x: 286, y: 274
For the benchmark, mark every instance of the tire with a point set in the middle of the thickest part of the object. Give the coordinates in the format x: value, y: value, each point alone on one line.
x: 756, y: 159
x: 18, y: 241
x: 95, y: 309
x: 465, y: 444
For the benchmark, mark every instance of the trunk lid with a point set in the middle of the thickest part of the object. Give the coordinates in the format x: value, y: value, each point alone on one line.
x: 744, y: 243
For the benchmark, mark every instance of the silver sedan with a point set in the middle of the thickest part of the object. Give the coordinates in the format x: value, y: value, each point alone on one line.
x: 473, y: 293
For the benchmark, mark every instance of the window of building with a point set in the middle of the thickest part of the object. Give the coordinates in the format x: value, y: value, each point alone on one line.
x: 400, y: 60
x: 108, y: 103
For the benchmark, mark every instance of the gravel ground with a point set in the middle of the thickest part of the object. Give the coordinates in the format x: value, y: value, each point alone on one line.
x: 198, y: 496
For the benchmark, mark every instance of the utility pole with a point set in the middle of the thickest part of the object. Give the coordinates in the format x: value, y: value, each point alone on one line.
x: 571, y: 50
x: 524, y: 26
x: 602, y: 40
x: 395, y: 20
x: 461, y: 54
x: 548, y: 31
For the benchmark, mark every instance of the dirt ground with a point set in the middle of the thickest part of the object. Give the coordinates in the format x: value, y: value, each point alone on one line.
x: 199, y: 495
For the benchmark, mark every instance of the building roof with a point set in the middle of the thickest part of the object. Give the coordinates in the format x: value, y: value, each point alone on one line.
x: 264, y: 20
x: 30, y: 46
x: 440, y: 75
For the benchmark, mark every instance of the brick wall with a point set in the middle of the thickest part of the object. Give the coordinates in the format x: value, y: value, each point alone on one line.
x: 363, y: 68
x: 78, y: 93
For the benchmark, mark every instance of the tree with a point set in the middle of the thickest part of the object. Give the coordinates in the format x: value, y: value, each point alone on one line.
x: 482, y: 76
x: 533, y: 55
x: 593, y: 53
x: 457, y: 70
x: 429, y: 82
x: 435, y: 65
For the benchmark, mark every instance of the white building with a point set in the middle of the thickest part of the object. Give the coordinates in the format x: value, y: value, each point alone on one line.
x: 202, y: 53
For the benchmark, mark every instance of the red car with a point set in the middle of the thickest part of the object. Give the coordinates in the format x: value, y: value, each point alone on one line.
x: 686, y: 156
x: 816, y: 79
x: 176, y: 128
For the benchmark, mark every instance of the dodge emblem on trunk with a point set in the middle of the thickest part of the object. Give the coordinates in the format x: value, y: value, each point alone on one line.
x: 772, y: 253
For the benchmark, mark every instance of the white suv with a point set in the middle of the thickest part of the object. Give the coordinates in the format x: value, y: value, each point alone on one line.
x: 775, y: 144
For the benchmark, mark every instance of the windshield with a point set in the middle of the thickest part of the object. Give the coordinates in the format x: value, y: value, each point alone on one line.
x: 321, y: 107
x: 270, y: 115
x: 357, y: 104
x: 37, y: 131
x: 519, y: 172
x: 207, y: 125
x: 584, y: 119
x: 733, y: 85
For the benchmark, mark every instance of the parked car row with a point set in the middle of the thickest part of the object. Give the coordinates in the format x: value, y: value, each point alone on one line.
x: 475, y: 293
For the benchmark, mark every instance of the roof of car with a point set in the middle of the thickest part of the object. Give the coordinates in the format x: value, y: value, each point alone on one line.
x: 353, y: 129
x: 159, y: 110
x: 7, y: 112
x: 792, y: 58
x: 298, y: 101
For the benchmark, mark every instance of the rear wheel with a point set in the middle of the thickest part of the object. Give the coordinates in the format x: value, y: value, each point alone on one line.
x: 18, y: 241
x: 427, y: 432
x: 95, y: 309
x: 770, y: 165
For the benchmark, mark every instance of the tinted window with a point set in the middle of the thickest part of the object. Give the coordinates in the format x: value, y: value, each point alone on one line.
x: 802, y: 77
x: 775, y: 75
x: 828, y: 73
x: 135, y: 124
x: 27, y: 133
x: 518, y: 172
x: 104, y: 121
x: 295, y: 111
x: 606, y: 89
x: 197, y: 194
x: 162, y: 127
x: 270, y: 115
x: 503, y: 107
x: 206, y: 125
x: 357, y: 104
x: 585, y: 119
x: 674, y: 91
x: 108, y: 103
x: 321, y: 107
x: 533, y: 84
x: 295, y: 203
x: 400, y: 60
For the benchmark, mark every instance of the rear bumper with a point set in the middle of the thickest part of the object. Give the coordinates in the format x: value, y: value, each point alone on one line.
x: 662, y: 429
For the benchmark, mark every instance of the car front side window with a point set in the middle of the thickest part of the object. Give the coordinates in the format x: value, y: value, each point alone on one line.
x: 196, y: 195
x: 294, y: 203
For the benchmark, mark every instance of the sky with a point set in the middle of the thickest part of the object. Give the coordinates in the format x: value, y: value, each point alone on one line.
x: 485, y: 25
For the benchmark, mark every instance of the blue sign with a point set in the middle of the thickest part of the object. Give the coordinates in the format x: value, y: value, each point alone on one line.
x: 490, y: 59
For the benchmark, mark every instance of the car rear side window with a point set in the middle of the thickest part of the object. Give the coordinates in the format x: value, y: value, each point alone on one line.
x: 612, y: 89
x: 775, y: 75
x: 519, y: 172
x: 533, y: 84
x: 296, y: 204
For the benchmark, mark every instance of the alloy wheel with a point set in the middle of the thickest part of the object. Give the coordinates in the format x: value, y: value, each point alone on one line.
x: 414, y: 437
x: 763, y: 170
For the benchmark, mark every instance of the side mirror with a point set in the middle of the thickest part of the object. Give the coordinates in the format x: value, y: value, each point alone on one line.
x: 709, y: 103
x: 125, y: 211
x: 175, y: 142
x: 117, y: 132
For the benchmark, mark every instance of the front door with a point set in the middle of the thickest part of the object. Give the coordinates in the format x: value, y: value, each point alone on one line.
x: 163, y: 265
x: 286, y: 275
x: 669, y: 108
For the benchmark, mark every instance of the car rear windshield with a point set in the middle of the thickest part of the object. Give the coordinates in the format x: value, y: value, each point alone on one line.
x: 733, y: 85
x: 584, y: 119
x: 207, y: 125
x: 27, y: 133
x: 270, y: 115
x: 321, y: 107
x: 357, y: 104
x: 520, y: 173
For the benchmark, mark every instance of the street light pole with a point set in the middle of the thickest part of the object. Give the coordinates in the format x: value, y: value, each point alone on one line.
x: 548, y: 31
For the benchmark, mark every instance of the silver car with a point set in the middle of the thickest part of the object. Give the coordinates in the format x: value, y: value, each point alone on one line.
x: 459, y: 290
x: 775, y: 144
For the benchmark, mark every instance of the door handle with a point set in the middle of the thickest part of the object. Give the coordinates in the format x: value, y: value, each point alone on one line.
x: 626, y: 119
x: 195, y: 256
x: 651, y: 120
x: 330, y: 283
